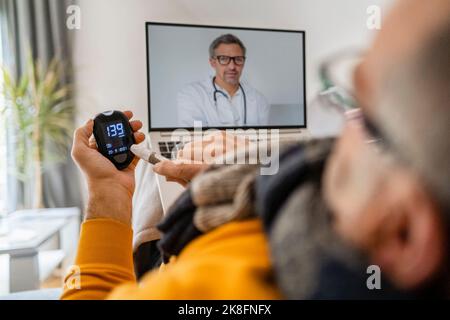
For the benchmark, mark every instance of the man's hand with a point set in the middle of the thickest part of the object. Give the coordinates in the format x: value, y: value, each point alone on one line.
x: 181, y: 171
x: 110, y: 190
x: 212, y: 147
x: 196, y: 156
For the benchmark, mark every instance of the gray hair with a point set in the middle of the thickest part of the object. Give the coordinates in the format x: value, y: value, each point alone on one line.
x: 415, y: 112
x: 225, y: 39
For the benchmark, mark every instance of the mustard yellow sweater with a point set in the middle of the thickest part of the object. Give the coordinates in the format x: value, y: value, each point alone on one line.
x: 231, y: 262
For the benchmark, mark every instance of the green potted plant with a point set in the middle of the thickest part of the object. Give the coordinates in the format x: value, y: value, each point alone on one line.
x: 39, y: 109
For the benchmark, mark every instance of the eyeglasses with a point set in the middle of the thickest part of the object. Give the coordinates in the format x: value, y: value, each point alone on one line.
x: 342, y: 101
x: 225, y: 60
x: 341, y: 97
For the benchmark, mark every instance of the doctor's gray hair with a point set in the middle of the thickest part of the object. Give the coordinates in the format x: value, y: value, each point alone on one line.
x: 225, y: 39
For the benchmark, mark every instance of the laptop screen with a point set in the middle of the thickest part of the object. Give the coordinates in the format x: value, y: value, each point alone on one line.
x: 222, y: 77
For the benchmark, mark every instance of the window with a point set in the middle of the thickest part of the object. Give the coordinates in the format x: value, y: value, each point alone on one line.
x: 3, y: 169
x: 3, y: 161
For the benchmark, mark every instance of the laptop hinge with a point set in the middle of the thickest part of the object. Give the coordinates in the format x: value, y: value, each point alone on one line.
x: 238, y: 132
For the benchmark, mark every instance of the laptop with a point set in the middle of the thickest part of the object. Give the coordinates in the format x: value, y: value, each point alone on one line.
x: 189, y: 72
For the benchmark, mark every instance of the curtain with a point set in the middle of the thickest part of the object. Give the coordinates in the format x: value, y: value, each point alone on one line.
x: 39, y: 27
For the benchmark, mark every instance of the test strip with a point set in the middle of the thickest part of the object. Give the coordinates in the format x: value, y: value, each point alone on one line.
x: 146, y: 154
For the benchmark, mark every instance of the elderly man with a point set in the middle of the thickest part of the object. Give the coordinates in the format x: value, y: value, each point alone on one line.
x: 388, y: 179
x: 385, y: 188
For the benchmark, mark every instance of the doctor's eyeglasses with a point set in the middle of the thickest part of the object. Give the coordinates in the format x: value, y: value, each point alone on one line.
x: 225, y: 60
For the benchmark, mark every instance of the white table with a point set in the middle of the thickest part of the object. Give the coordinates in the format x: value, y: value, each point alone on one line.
x: 28, y: 231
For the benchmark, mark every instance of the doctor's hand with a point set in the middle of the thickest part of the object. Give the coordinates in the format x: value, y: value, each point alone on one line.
x: 196, y: 156
x: 110, y: 190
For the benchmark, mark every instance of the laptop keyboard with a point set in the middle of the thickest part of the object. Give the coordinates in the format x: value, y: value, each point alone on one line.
x: 169, y: 149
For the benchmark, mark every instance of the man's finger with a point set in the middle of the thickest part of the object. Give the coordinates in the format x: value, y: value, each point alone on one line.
x: 134, y: 163
x: 163, y: 167
x: 136, y: 125
x: 169, y: 169
x: 211, y: 145
x: 92, y: 142
x: 193, y: 150
x: 81, y: 137
x: 139, y: 137
x: 83, y: 133
x: 182, y: 182
x: 128, y: 114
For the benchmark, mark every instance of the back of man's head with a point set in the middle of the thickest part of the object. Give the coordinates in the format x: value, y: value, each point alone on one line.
x: 415, y: 112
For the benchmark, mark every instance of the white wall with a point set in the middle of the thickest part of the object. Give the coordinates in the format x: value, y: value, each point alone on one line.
x: 110, y: 53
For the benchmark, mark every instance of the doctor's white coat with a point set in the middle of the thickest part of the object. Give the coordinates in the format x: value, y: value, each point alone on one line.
x: 195, y: 102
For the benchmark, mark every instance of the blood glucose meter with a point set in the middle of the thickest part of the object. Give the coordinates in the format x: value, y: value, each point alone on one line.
x: 114, y: 137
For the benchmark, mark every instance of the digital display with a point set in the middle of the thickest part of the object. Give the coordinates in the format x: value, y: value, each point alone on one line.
x: 115, y: 137
x: 115, y: 130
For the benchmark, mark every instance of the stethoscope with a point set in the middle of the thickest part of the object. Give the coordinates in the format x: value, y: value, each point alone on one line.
x: 216, y: 91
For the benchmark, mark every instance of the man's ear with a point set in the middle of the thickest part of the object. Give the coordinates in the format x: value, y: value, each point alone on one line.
x: 212, y: 62
x: 411, y: 241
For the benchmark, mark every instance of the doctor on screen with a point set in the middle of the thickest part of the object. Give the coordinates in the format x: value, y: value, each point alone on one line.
x: 223, y: 100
